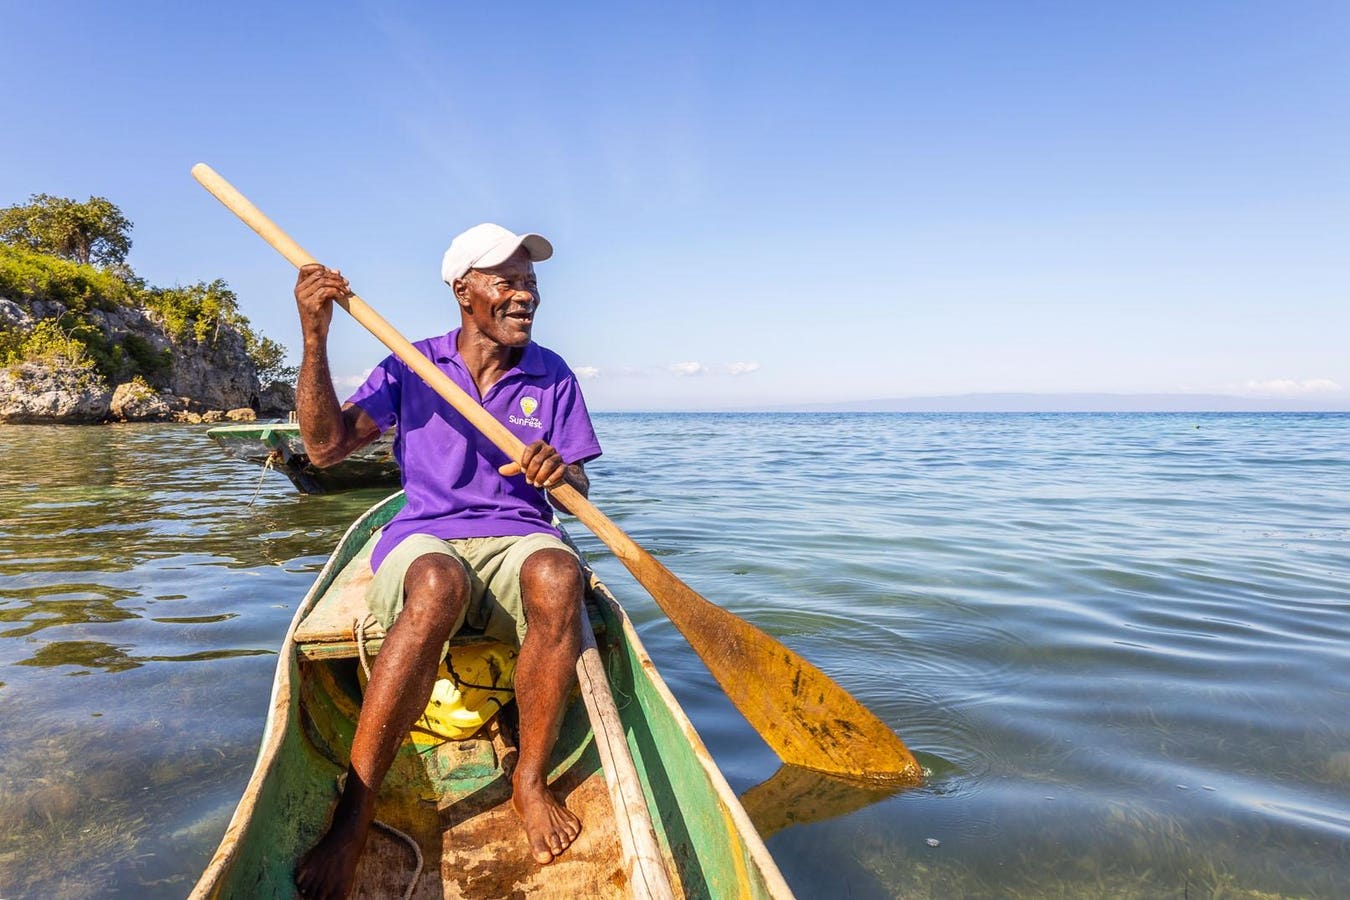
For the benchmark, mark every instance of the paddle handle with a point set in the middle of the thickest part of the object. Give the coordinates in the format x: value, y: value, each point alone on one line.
x: 253, y: 217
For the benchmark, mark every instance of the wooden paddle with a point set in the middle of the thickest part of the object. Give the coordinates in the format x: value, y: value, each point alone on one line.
x: 801, y: 713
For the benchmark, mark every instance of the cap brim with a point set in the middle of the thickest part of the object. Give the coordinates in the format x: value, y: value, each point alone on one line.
x: 535, y: 244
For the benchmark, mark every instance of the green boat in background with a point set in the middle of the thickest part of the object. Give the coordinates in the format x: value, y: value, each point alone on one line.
x: 278, y: 445
x: 450, y: 798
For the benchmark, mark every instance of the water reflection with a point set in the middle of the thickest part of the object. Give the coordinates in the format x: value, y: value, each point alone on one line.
x: 191, y: 620
x: 87, y: 655
x: 49, y: 607
x: 84, y: 655
x: 797, y: 796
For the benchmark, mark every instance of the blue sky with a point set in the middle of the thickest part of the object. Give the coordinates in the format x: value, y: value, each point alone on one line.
x: 752, y: 204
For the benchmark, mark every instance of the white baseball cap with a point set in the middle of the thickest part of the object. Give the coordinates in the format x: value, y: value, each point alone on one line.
x: 487, y: 245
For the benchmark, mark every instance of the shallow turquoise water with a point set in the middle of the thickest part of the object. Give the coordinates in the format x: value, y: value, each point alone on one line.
x: 1119, y: 642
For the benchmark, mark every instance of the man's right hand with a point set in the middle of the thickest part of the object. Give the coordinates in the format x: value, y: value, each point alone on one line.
x: 329, y: 430
x: 316, y: 287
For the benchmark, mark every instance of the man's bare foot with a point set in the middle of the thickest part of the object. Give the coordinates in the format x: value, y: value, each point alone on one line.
x: 327, y: 871
x: 550, y: 827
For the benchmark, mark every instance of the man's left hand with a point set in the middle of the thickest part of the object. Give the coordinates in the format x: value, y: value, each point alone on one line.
x: 542, y: 465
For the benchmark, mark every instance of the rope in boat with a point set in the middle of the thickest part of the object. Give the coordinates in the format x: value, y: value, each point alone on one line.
x: 613, y: 665
x: 417, y: 852
x: 613, y: 668
x: 359, y: 633
x: 266, y: 466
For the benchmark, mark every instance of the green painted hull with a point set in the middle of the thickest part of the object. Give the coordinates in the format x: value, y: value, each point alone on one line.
x: 451, y: 801
x: 280, y: 446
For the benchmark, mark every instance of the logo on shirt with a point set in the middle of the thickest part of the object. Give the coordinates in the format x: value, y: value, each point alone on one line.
x: 527, y: 405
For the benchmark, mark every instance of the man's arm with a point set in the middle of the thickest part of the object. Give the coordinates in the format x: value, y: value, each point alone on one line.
x: 330, y: 431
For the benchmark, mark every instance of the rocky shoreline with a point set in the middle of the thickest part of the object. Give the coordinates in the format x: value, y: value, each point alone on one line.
x: 33, y: 394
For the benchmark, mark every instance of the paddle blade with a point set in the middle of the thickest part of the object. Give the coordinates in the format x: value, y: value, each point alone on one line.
x: 807, y: 718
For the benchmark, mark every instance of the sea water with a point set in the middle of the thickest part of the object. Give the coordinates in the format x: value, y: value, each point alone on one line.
x: 1119, y: 644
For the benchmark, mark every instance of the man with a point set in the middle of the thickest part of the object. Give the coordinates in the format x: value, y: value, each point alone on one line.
x: 473, y: 542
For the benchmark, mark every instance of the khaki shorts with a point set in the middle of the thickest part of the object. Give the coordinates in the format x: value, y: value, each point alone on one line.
x: 493, y: 565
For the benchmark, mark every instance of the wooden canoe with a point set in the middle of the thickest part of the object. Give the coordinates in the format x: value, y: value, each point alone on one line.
x: 280, y: 446
x: 452, y: 799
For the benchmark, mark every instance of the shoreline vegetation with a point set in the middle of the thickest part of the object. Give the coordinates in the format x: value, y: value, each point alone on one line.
x: 84, y: 340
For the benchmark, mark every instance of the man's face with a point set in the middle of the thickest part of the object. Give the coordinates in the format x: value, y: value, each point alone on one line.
x: 501, y: 301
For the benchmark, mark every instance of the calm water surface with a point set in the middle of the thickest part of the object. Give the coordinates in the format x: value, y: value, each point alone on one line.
x: 1118, y: 642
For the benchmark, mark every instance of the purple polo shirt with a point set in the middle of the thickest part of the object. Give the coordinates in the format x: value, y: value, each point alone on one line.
x: 450, y: 470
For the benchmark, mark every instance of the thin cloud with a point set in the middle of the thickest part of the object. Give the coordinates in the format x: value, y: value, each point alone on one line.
x: 734, y: 369
x: 1292, y: 387
x: 685, y: 369
x: 352, y: 381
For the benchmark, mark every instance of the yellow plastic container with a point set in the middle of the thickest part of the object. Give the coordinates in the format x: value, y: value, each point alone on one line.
x: 472, y: 683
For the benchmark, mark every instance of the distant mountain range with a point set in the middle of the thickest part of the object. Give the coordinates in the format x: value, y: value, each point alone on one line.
x: 1186, y: 403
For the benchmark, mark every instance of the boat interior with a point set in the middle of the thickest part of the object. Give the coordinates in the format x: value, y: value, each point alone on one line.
x: 448, y: 797
x: 447, y: 828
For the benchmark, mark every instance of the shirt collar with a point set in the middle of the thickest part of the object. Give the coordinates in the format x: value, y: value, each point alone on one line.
x: 531, y: 361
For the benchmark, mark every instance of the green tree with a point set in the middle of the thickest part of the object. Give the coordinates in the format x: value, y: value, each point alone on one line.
x: 26, y: 275
x: 269, y: 357
x: 94, y: 232
x: 195, y: 311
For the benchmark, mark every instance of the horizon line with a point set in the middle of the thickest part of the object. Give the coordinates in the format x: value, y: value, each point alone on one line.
x: 1031, y: 402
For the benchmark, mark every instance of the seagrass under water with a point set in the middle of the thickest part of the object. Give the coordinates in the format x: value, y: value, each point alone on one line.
x: 1117, y: 641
